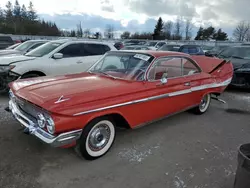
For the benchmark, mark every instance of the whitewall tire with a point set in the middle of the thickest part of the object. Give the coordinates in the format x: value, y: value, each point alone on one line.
x: 97, y: 138
x: 204, y: 104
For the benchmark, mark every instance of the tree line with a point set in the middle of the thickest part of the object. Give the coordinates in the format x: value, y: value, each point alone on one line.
x: 19, y: 20
x: 181, y: 29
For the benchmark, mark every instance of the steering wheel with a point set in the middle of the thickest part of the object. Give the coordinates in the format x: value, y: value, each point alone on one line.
x: 139, y: 74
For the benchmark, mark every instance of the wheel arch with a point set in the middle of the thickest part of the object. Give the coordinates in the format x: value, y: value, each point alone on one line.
x: 118, y: 118
x: 40, y: 73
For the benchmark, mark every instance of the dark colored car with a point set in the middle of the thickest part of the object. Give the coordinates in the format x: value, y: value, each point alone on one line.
x: 5, y: 41
x: 191, y: 49
x: 169, y: 47
x: 240, y: 58
x: 215, y: 50
x: 118, y: 45
x: 135, y: 47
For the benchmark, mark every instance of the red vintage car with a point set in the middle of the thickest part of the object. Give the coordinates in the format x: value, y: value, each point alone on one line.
x: 122, y: 89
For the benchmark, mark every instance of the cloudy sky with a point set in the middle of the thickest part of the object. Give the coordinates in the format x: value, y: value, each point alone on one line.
x: 140, y: 15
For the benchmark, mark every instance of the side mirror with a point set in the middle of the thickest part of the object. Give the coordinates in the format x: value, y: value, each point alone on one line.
x: 58, y: 56
x: 164, y: 79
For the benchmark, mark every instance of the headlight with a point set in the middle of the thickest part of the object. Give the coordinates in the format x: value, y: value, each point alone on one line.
x: 4, y: 68
x: 41, y: 120
x: 50, y: 125
x: 44, y: 120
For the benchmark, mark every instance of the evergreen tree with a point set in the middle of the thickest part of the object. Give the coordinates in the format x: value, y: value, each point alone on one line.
x: 158, y: 34
x: 31, y: 12
x: 17, y: 10
x: 220, y: 35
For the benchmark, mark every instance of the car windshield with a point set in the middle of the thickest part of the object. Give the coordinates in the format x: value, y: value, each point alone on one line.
x: 128, y: 48
x: 44, y: 49
x: 169, y: 48
x: 123, y: 65
x: 25, y: 46
x: 151, y: 43
x: 235, y: 52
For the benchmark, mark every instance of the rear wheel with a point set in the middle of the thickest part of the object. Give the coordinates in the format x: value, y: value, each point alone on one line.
x: 96, y: 139
x: 204, y: 105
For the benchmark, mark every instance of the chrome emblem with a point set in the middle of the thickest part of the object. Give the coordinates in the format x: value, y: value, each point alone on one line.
x: 61, y: 99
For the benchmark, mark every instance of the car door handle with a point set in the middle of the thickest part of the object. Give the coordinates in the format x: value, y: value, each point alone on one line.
x: 187, y: 84
x: 78, y: 62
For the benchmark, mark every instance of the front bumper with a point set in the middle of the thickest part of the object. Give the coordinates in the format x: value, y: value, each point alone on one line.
x: 31, y: 126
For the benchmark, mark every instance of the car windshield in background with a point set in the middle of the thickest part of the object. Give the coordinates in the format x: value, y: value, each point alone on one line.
x: 169, y: 48
x: 44, y: 49
x: 24, y: 46
x: 123, y: 65
x: 235, y: 52
x: 151, y: 44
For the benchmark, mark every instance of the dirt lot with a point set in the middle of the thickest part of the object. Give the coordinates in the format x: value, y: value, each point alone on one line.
x: 183, y: 151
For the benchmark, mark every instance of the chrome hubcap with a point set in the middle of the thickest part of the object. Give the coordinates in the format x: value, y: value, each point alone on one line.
x: 99, y: 137
x: 204, y: 102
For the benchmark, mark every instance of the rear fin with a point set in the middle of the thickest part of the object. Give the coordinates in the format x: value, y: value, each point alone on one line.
x: 219, y: 66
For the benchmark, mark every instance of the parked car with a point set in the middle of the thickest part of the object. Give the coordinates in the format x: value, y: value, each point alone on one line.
x: 169, y: 47
x: 240, y: 58
x: 5, y: 41
x: 135, y: 47
x: 57, y: 57
x: 13, y: 46
x: 154, y: 45
x: 215, y: 50
x: 191, y: 49
x: 206, y: 48
x: 23, y: 47
x: 118, y: 45
x: 84, y: 109
x: 133, y: 42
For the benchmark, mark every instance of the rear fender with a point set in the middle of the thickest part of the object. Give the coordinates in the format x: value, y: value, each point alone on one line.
x: 222, y: 72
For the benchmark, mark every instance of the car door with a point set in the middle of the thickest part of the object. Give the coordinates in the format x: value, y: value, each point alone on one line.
x: 92, y: 53
x: 71, y: 61
x: 172, y: 96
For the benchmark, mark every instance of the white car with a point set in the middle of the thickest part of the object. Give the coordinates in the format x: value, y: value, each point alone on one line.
x: 154, y: 45
x: 58, y: 57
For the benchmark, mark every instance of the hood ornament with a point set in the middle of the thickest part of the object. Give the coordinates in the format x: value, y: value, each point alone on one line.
x: 61, y: 99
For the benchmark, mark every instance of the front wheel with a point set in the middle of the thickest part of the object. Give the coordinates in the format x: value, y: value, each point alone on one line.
x: 96, y: 139
x: 204, y: 104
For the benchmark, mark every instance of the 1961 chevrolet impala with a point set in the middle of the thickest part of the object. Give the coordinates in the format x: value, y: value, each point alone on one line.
x: 124, y: 89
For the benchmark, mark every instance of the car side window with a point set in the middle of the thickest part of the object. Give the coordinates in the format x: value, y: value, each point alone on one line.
x: 167, y: 67
x: 188, y: 67
x: 35, y: 46
x: 95, y: 49
x: 72, y: 50
x: 171, y: 68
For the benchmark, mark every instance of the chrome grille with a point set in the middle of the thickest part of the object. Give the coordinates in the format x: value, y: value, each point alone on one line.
x: 26, y: 107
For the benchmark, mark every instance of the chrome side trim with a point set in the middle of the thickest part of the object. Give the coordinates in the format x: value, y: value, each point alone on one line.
x: 181, y: 92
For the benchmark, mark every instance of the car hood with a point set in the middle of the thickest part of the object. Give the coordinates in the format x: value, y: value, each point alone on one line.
x: 8, y: 52
x: 84, y: 89
x: 13, y: 58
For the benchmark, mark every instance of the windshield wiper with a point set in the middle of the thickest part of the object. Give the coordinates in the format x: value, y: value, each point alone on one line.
x: 237, y: 57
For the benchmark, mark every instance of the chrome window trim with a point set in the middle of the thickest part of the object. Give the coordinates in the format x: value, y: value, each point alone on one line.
x: 173, y: 56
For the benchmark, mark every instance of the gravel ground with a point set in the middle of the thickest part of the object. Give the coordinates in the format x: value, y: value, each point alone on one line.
x: 183, y: 151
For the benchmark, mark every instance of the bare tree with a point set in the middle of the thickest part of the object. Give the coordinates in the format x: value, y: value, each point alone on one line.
x: 168, y: 27
x: 188, y: 29
x: 79, y: 30
x: 178, y: 29
x: 109, y: 32
x: 240, y: 32
x: 86, y: 33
